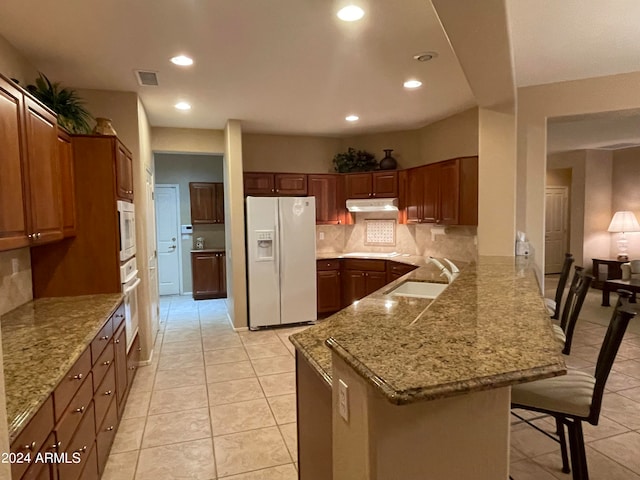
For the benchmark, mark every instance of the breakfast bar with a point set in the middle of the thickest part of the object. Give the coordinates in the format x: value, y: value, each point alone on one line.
x: 398, y: 386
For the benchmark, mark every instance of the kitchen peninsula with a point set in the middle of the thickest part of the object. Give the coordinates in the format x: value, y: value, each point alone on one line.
x: 427, y: 382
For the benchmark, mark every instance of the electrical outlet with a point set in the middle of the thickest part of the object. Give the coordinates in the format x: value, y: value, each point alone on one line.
x: 343, y: 400
x: 321, y: 236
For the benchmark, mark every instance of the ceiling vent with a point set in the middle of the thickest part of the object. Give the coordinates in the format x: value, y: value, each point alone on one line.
x: 147, y: 78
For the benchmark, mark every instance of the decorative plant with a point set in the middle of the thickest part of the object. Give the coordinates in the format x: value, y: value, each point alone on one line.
x: 354, y: 161
x: 72, y: 116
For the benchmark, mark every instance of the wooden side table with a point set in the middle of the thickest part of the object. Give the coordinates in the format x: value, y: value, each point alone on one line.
x: 605, y: 269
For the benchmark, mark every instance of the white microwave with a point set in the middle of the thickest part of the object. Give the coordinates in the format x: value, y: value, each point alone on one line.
x: 127, y: 220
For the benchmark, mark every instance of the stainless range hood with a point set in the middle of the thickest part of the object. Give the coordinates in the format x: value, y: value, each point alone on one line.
x: 373, y: 205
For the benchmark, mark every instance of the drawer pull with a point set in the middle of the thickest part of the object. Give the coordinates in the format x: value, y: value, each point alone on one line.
x: 107, y: 363
x: 30, y: 446
x: 119, y: 315
x: 80, y: 410
x: 117, y: 341
x: 56, y: 446
x: 105, y: 338
x: 108, y: 392
x: 109, y: 429
x: 132, y: 368
x: 81, y: 450
x: 78, y: 377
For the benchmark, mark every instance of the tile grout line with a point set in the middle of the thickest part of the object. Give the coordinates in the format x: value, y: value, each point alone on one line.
x: 209, y: 406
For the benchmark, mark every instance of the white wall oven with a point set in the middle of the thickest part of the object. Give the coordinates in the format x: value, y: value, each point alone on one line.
x: 127, y: 221
x: 130, y: 282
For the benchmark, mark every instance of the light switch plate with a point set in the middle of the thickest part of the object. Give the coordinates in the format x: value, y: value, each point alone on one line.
x: 343, y: 400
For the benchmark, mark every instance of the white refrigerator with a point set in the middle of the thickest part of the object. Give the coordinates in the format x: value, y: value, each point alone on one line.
x: 281, y: 260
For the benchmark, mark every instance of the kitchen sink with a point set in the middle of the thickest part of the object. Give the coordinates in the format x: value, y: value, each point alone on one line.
x: 419, y: 289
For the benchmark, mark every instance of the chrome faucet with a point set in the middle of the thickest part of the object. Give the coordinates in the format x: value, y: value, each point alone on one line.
x: 452, y: 266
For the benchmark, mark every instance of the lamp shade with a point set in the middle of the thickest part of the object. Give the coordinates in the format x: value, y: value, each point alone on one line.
x: 624, y: 222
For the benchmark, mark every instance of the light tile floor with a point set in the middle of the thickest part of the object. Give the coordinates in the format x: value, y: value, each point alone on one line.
x: 216, y: 404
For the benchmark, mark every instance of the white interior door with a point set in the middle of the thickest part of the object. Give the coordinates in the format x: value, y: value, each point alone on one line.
x: 556, y: 231
x: 167, y: 210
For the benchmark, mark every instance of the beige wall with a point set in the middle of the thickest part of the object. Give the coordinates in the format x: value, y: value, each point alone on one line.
x: 535, y: 105
x: 405, y: 145
x: 626, y: 193
x: 187, y: 140
x: 234, y: 226
x: 597, y: 205
x: 14, y: 65
x: 180, y: 169
x: 288, y: 153
x: 558, y: 177
x: 574, y: 162
x: 454, y: 136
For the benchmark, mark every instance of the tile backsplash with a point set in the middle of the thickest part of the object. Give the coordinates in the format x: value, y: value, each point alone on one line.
x: 15, y: 274
x: 457, y: 243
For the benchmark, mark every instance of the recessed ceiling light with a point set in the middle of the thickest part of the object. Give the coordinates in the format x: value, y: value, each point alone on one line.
x: 352, y: 118
x: 350, y: 13
x: 182, y: 106
x: 412, y: 84
x: 425, y: 56
x: 182, y: 60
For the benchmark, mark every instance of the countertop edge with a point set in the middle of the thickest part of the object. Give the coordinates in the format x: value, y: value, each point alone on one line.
x: 322, y: 374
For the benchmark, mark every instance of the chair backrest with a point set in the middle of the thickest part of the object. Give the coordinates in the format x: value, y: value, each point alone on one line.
x: 562, y: 282
x: 573, y: 304
x: 622, y: 314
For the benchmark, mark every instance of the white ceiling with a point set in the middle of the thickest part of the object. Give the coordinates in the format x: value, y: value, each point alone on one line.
x: 289, y: 66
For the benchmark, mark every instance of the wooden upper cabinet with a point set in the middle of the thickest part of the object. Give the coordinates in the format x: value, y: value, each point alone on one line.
x: 442, y: 193
x: 290, y: 183
x: 207, y: 202
x: 13, y: 225
x: 382, y: 184
x: 65, y: 159
x: 275, y: 184
x: 329, y: 206
x: 45, y: 201
x: 259, y: 183
x: 358, y: 185
x: 124, y: 174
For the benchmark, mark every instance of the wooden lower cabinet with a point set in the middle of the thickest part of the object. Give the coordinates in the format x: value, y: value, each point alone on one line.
x: 88, y: 403
x: 328, y: 279
x: 396, y: 270
x: 361, y: 278
x: 208, y: 271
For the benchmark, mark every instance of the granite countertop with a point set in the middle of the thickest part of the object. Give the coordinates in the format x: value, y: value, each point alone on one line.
x: 416, y: 260
x: 487, y: 329
x: 208, y: 250
x: 41, y: 340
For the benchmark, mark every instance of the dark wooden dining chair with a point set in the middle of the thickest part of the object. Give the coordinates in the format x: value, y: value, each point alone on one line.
x: 553, y: 305
x: 578, y: 290
x: 577, y: 396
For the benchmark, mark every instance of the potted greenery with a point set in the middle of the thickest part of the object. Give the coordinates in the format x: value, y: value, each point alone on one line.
x: 354, y: 161
x: 72, y: 116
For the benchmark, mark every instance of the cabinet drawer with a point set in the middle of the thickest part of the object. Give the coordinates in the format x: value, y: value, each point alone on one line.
x: 105, y: 361
x: 81, y: 445
x: 70, y: 384
x: 105, y: 393
x: 33, y: 436
x: 118, y: 318
x: 90, y: 471
x: 400, y: 268
x: 331, y: 264
x: 102, y: 339
x: 366, y: 265
x: 42, y: 470
x: 105, y: 435
x: 75, y: 412
x: 133, y: 357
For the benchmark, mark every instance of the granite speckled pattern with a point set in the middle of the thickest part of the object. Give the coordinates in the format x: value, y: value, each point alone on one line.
x: 41, y: 340
x: 488, y: 329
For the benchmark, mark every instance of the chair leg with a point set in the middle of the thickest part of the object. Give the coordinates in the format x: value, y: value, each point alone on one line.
x: 563, y: 446
x: 578, y: 454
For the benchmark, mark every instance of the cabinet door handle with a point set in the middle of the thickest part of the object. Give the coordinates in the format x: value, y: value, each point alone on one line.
x: 373, y: 194
x: 119, y: 315
x: 31, y: 235
x: 109, y: 429
x: 78, y: 377
x: 30, y: 446
x: 105, y: 337
x: 106, y: 363
x: 81, y: 450
x: 108, y: 393
x: 117, y: 341
x: 132, y: 368
x: 56, y: 446
x: 79, y: 410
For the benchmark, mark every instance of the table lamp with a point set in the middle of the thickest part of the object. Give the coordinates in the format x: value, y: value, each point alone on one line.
x: 623, y: 222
